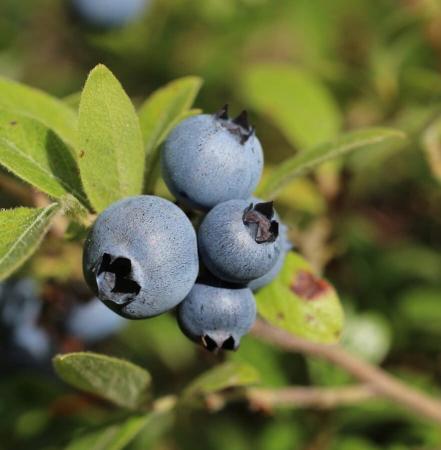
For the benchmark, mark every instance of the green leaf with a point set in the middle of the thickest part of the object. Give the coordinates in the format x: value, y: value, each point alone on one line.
x: 118, y: 436
x: 21, y: 231
x: 116, y: 380
x: 231, y: 374
x: 304, y: 162
x: 115, y: 437
x: 34, y: 103
x: 420, y: 308
x: 36, y: 154
x: 73, y: 100
x: 298, y: 103
x: 111, y: 152
x: 162, y: 111
x: 300, y: 302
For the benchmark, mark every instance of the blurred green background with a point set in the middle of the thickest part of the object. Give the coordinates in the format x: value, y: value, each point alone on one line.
x: 306, y: 70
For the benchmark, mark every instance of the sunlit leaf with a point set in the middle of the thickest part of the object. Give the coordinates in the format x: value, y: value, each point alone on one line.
x: 111, y: 151
x: 37, y: 155
x: 23, y: 99
x: 302, y: 303
x: 21, y: 231
x: 297, y: 102
x: 304, y: 162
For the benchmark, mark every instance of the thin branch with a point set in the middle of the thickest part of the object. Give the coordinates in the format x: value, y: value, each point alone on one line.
x: 381, y: 382
x: 308, y: 397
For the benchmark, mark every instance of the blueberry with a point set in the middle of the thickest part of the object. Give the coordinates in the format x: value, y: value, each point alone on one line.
x: 19, y: 302
x: 33, y: 340
x: 238, y: 241
x: 25, y: 342
x: 92, y: 321
x: 262, y: 281
x: 286, y: 246
x: 217, y: 315
x: 108, y: 13
x: 140, y: 257
x: 209, y: 159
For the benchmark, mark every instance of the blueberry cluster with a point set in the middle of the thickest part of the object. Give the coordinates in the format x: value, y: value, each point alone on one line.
x: 143, y: 256
x: 37, y: 321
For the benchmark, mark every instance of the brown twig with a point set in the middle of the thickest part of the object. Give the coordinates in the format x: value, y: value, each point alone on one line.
x: 379, y: 381
x: 308, y: 397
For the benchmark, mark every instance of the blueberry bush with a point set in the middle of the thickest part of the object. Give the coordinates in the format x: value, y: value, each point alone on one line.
x: 223, y: 235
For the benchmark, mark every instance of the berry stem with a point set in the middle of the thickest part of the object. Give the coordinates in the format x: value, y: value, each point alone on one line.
x: 381, y: 383
x: 308, y: 397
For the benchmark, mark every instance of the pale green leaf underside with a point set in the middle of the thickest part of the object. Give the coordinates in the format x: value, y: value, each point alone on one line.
x: 111, y: 151
x: 34, y: 103
x: 305, y: 161
x: 296, y: 102
x: 116, y: 380
x: 288, y: 303
x: 162, y: 111
x: 114, y: 437
x: 228, y: 375
x: 21, y: 231
x: 37, y: 155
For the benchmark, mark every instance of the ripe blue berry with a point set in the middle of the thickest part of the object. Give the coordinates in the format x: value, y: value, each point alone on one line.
x: 217, y: 315
x: 25, y: 342
x: 209, y: 159
x: 238, y: 241
x: 140, y: 257
x: 19, y: 302
x: 262, y: 281
x: 286, y: 246
x: 108, y: 13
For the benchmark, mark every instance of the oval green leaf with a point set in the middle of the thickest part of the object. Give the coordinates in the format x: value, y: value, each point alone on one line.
x: 231, y: 374
x: 302, y: 303
x: 37, y: 155
x: 113, y: 379
x: 111, y: 151
x: 297, y: 103
x: 306, y: 161
x: 162, y: 111
x: 21, y: 231
x: 50, y: 111
x: 114, y: 437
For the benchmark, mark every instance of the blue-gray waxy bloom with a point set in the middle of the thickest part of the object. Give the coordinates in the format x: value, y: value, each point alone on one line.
x: 209, y: 159
x: 217, y: 315
x: 239, y: 241
x: 140, y: 257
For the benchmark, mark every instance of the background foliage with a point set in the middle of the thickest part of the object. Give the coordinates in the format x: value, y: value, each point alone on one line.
x: 308, y: 71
